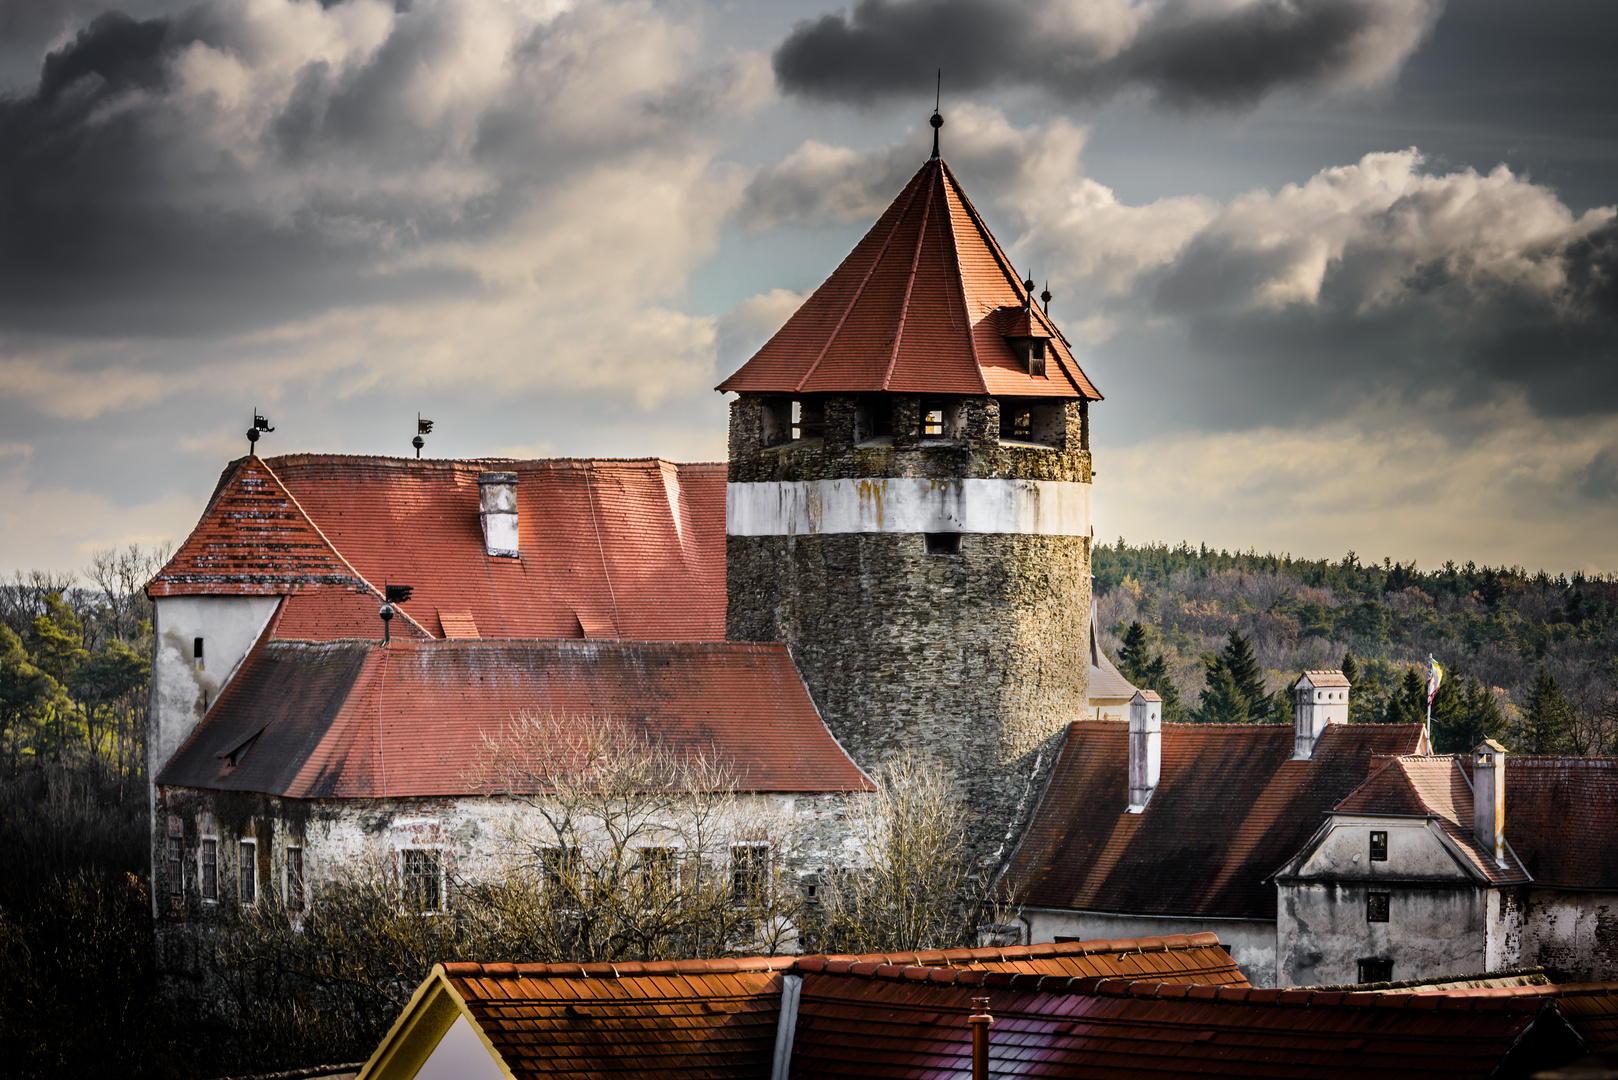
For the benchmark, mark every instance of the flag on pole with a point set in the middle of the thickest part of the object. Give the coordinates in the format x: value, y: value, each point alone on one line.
x: 1435, y: 677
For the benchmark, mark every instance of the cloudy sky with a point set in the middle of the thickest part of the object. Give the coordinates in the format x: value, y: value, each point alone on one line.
x: 1345, y: 270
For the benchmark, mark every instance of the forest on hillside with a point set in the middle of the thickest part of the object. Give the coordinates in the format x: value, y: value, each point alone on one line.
x: 1529, y: 659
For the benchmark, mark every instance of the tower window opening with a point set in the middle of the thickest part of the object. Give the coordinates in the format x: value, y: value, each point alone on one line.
x: 873, y: 419
x: 1017, y: 422
x: 1041, y: 421
x: 808, y: 419
x: 942, y: 543
x: 932, y: 420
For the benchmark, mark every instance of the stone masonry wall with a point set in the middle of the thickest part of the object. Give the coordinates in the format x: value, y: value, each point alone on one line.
x: 978, y: 660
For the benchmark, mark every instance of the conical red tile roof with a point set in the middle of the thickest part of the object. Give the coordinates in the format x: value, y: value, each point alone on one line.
x: 922, y: 305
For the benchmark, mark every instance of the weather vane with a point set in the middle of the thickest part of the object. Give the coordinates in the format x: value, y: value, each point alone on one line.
x: 260, y: 423
x: 423, y: 427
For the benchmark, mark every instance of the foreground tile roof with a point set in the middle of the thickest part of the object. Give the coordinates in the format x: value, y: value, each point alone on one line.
x: 622, y: 550
x: 355, y: 719
x: 1562, y: 818
x: 1230, y: 809
x: 922, y: 305
x: 860, y: 1016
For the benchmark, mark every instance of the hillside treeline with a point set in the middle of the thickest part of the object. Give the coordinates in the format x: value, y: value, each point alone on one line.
x: 1530, y: 659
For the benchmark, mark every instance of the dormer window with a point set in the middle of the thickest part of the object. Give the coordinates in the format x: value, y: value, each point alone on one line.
x: 1031, y: 351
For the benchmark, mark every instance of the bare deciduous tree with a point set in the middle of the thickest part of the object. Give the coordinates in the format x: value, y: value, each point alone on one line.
x: 917, y: 889
x: 629, y: 849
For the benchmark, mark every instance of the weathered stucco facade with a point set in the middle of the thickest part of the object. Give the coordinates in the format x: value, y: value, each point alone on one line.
x: 971, y: 648
x: 1250, y: 942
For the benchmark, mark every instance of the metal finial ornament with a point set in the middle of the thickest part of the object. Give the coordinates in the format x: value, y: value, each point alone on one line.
x: 387, y: 621
x: 1028, y: 290
x: 260, y: 423
x: 423, y: 427
x: 937, y: 119
x: 1046, y: 297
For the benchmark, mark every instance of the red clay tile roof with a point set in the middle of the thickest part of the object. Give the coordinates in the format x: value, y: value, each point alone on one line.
x: 352, y: 719
x: 1323, y: 679
x: 1106, y: 681
x: 1592, y: 1008
x: 874, y: 1021
x: 621, y: 550
x: 1190, y: 958
x: 917, y: 308
x: 1229, y: 810
x: 687, y: 1018
x: 1432, y: 786
x: 253, y: 540
x: 1562, y: 818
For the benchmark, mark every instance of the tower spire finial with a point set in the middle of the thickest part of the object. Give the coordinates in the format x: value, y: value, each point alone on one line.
x: 937, y: 118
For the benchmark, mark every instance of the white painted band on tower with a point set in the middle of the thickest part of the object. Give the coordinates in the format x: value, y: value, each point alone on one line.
x: 907, y: 505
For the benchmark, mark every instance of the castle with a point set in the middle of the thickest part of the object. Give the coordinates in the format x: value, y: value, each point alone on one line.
x: 895, y: 559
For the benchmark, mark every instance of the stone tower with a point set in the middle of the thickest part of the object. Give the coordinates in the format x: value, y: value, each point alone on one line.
x: 909, y: 505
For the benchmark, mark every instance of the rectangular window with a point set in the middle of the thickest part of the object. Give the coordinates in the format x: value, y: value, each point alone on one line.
x: 1379, y: 846
x: 932, y: 419
x: 1376, y: 907
x: 210, y: 869
x: 248, y: 854
x: 659, y: 875
x: 942, y: 543
x: 196, y: 652
x: 423, y: 880
x: 177, y: 868
x: 1375, y: 971
x: 294, y: 879
x: 749, y: 874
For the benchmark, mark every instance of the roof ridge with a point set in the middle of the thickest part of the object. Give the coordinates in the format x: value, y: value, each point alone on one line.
x: 864, y: 280
x: 622, y: 969
x: 904, y: 305
x: 432, y: 463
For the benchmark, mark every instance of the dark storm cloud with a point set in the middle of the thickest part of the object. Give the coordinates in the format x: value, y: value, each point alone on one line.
x: 1186, y: 53
x: 232, y: 166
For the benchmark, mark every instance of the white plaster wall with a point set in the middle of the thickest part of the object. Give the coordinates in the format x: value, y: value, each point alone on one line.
x: 1322, y: 931
x: 908, y: 505
x: 181, y: 690
x: 1574, y: 934
x: 1250, y: 942
x: 1415, y: 852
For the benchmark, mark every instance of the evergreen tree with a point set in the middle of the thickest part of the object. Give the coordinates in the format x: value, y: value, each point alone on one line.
x: 1243, y: 667
x: 1132, y: 658
x: 1351, y: 670
x: 1223, y: 701
x: 1408, y: 704
x: 1547, y: 726
x: 1155, y: 676
x: 1476, y: 717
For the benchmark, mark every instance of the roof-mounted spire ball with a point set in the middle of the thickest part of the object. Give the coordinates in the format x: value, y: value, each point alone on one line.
x: 260, y: 423
x: 1028, y: 290
x: 937, y: 119
x: 1045, y: 296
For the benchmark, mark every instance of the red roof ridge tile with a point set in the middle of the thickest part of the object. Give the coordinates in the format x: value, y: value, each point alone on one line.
x: 429, y: 464
x: 623, y: 969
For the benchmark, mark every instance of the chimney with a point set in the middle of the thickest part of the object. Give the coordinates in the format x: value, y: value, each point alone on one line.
x: 1322, y: 699
x: 1489, y: 798
x: 1145, y: 747
x: 497, y: 509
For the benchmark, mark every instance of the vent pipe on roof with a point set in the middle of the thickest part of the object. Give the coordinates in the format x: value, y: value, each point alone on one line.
x: 1145, y: 747
x: 980, y: 1021
x: 1489, y: 798
x: 497, y: 510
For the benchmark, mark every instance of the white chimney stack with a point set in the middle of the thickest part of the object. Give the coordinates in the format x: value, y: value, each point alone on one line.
x: 1489, y: 798
x: 1145, y: 747
x: 497, y: 509
x: 1322, y: 698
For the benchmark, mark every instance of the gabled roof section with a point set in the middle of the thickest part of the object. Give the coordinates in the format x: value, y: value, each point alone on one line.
x: 352, y: 719
x: 1107, y: 683
x: 1561, y: 818
x: 922, y: 305
x: 254, y: 539
x: 1434, y: 787
x: 1230, y: 807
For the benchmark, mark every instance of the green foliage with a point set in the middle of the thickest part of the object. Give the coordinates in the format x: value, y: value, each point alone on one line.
x: 1464, y: 718
x: 1149, y: 672
x: 1408, y: 705
x: 1235, y: 688
x: 1223, y: 701
x: 1351, y: 670
x: 1547, y: 723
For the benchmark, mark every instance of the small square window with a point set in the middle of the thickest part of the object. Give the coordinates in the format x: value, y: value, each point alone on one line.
x: 248, y: 853
x: 942, y: 543
x: 294, y: 879
x: 210, y: 869
x: 1376, y: 907
x: 749, y: 874
x: 1379, y: 846
x: 1375, y: 971
x: 423, y: 879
